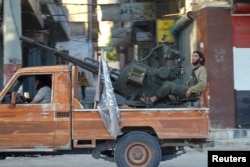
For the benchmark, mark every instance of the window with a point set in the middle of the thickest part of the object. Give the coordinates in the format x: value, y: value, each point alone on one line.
x: 28, y: 87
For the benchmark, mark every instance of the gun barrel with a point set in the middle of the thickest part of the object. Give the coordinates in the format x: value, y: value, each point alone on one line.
x: 33, y: 42
x: 88, y: 64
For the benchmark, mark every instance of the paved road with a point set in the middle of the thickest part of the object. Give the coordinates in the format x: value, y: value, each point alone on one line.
x: 88, y: 161
x: 192, y: 158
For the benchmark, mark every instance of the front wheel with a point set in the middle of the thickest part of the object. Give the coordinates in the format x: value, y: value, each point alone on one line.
x: 137, y: 149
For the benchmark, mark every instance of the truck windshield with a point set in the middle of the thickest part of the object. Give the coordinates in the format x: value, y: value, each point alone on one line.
x: 16, y: 85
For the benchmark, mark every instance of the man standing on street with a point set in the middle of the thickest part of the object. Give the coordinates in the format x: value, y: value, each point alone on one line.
x: 84, y: 83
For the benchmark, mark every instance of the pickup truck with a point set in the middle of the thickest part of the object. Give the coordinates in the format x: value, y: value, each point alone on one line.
x: 149, y: 135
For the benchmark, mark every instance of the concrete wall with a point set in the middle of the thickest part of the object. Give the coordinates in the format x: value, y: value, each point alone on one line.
x: 214, y: 34
x: 12, y: 56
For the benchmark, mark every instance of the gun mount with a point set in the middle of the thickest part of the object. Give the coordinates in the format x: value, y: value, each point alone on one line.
x: 136, y: 78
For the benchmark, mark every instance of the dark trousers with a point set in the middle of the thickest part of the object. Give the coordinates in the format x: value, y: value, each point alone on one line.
x: 170, y: 88
x: 83, y: 92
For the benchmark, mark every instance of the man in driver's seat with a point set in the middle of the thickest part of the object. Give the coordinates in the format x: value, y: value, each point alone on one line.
x: 43, y: 87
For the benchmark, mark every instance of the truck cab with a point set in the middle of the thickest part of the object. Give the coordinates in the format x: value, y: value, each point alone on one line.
x: 37, y: 127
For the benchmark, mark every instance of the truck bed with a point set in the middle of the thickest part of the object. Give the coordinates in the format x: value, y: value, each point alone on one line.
x: 168, y: 123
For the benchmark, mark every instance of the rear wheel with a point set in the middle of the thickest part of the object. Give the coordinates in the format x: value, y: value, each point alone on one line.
x: 137, y: 149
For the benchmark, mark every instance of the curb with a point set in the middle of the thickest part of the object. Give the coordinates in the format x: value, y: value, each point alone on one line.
x: 230, y: 137
x: 227, y: 134
x: 240, y: 142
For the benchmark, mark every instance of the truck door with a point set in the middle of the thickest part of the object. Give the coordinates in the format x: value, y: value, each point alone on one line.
x: 62, y: 100
x: 23, y: 125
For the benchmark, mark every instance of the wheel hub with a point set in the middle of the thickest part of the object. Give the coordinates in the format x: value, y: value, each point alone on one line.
x: 138, y: 154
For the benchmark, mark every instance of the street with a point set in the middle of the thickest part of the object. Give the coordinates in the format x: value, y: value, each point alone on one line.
x: 192, y: 158
x: 76, y: 160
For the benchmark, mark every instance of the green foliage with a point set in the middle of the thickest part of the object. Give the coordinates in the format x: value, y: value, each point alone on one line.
x: 112, y: 55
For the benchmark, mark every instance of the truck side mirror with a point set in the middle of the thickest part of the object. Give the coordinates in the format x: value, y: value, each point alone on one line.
x: 13, y: 99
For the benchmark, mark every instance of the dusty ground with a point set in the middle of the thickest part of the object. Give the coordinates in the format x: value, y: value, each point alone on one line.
x: 192, y: 158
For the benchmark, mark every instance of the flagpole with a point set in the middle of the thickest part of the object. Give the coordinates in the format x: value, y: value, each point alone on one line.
x: 95, y: 104
x: 105, y: 100
x: 98, y: 59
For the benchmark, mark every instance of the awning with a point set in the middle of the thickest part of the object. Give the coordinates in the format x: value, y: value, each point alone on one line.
x: 56, y: 21
x: 241, y: 8
x: 136, y: 11
x: 30, y: 15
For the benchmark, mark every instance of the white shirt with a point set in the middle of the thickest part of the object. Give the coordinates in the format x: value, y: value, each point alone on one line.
x: 43, y: 95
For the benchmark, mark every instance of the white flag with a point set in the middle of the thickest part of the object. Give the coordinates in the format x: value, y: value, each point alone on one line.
x: 107, y: 105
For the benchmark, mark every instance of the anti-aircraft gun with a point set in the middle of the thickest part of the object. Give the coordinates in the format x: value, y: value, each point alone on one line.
x: 137, y: 77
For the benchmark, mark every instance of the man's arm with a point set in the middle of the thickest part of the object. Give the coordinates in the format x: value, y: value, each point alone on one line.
x: 38, y: 97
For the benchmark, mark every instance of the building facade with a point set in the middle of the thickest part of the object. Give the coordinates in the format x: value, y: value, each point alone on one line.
x: 133, y: 28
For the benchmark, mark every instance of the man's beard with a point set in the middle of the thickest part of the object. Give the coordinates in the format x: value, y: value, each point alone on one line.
x: 196, y: 62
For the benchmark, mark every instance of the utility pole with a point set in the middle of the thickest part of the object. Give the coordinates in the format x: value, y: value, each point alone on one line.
x: 12, y: 50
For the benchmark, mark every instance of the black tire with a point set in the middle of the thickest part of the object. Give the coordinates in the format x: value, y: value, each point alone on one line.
x: 137, y: 149
x: 2, y: 157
